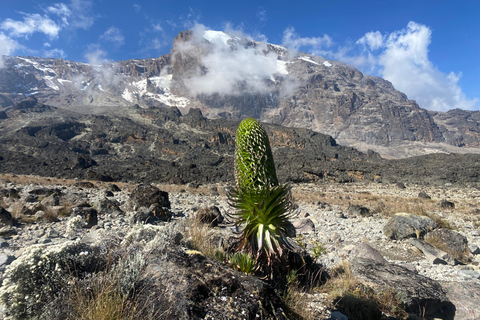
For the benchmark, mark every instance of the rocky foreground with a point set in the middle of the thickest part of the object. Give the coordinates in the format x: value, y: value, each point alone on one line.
x: 420, y: 242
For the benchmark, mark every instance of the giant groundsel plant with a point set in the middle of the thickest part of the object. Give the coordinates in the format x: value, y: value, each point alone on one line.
x: 263, y: 207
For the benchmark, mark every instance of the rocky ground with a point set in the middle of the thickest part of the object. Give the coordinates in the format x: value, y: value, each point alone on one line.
x: 337, y: 223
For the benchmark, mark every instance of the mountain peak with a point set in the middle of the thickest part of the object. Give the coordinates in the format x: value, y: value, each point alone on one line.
x: 233, y: 77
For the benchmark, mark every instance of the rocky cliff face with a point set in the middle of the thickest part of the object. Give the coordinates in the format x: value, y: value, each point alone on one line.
x: 232, y: 78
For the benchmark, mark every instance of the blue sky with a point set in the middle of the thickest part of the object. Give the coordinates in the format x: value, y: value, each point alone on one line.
x: 428, y: 49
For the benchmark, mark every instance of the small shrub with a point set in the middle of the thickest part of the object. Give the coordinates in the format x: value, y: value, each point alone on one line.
x: 243, y: 262
x: 40, y: 273
x: 318, y: 249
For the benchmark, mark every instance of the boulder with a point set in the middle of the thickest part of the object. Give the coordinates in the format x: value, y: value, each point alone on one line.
x: 444, y: 204
x: 449, y: 241
x: 432, y: 254
x: 212, y: 290
x: 108, y: 206
x: 88, y: 213
x: 423, y: 195
x: 465, y: 296
x: 355, y: 210
x: 152, y: 215
x: 419, y: 294
x: 113, y: 188
x: 365, y: 251
x: 304, y: 225
x: 210, y: 215
x: 406, y: 225
x: 145, y: 195
x: 6, y: 218
x: 162, y: 213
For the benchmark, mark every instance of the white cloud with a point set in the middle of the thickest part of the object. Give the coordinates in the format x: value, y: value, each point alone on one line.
x: 229, y: 70
x: 114, y: 35
x: 294, y: 42
x: 81, y: 17
x: 262, y: 14
x: 7, y: 48
x: 54, y: 53
x: 402, y: 58
x: 31, y: 23
x: 137, y: 7
x: 61, y: 10
x: 374, y: 40
x: 96, y: 56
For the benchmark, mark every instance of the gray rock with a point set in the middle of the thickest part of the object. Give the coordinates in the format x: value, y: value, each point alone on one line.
x: 444, y: 204
x: 210, y: 215
x: 449, y: 241
x: 474, y: 249
x: 39, y: 214
x: 355, y: 210
x: 3, y: 243
x: 5, y: 217
x: 424, y: 195
x: 211, y: 290
x: 304, y: 225
x: 7, y: 231
x: 337, y: 315
x: 87, y: 212
x: 162, y: 213
x: 432, y: 254
x: 365, y: 251
x: 420, y: 294
x: 407, y: 225
x: 465, y: 296
x: 5, y: 260
x: 31, y: 198
x: 113, y: 188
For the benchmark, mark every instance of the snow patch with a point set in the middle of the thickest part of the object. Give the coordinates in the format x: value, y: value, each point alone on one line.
x: 139, y: 89
x: 327, y: 64
x: 49, y: 82
x: 216, y: 37
x: 308, y: 59
x: 282, y: 67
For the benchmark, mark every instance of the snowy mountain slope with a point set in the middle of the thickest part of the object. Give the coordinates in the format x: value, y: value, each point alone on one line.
x: 232, y: 77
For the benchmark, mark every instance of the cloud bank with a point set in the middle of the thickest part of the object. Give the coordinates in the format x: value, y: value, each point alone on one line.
x: 230, y: 67
x: 400, y: 57
x: 50, y: 22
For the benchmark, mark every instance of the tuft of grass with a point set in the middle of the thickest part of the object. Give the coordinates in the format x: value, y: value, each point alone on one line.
x: 110, y: 294
x: 296, y: 300
x: 201, y: 239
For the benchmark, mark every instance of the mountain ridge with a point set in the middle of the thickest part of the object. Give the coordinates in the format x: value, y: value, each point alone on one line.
x: 231, y: 77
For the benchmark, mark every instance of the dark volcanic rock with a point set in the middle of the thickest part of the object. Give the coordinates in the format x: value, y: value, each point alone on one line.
x: 211, y: 290
x: 146, y: 195
x: 162, y: 145
x: 5, y: 218
x: 210, y: 215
